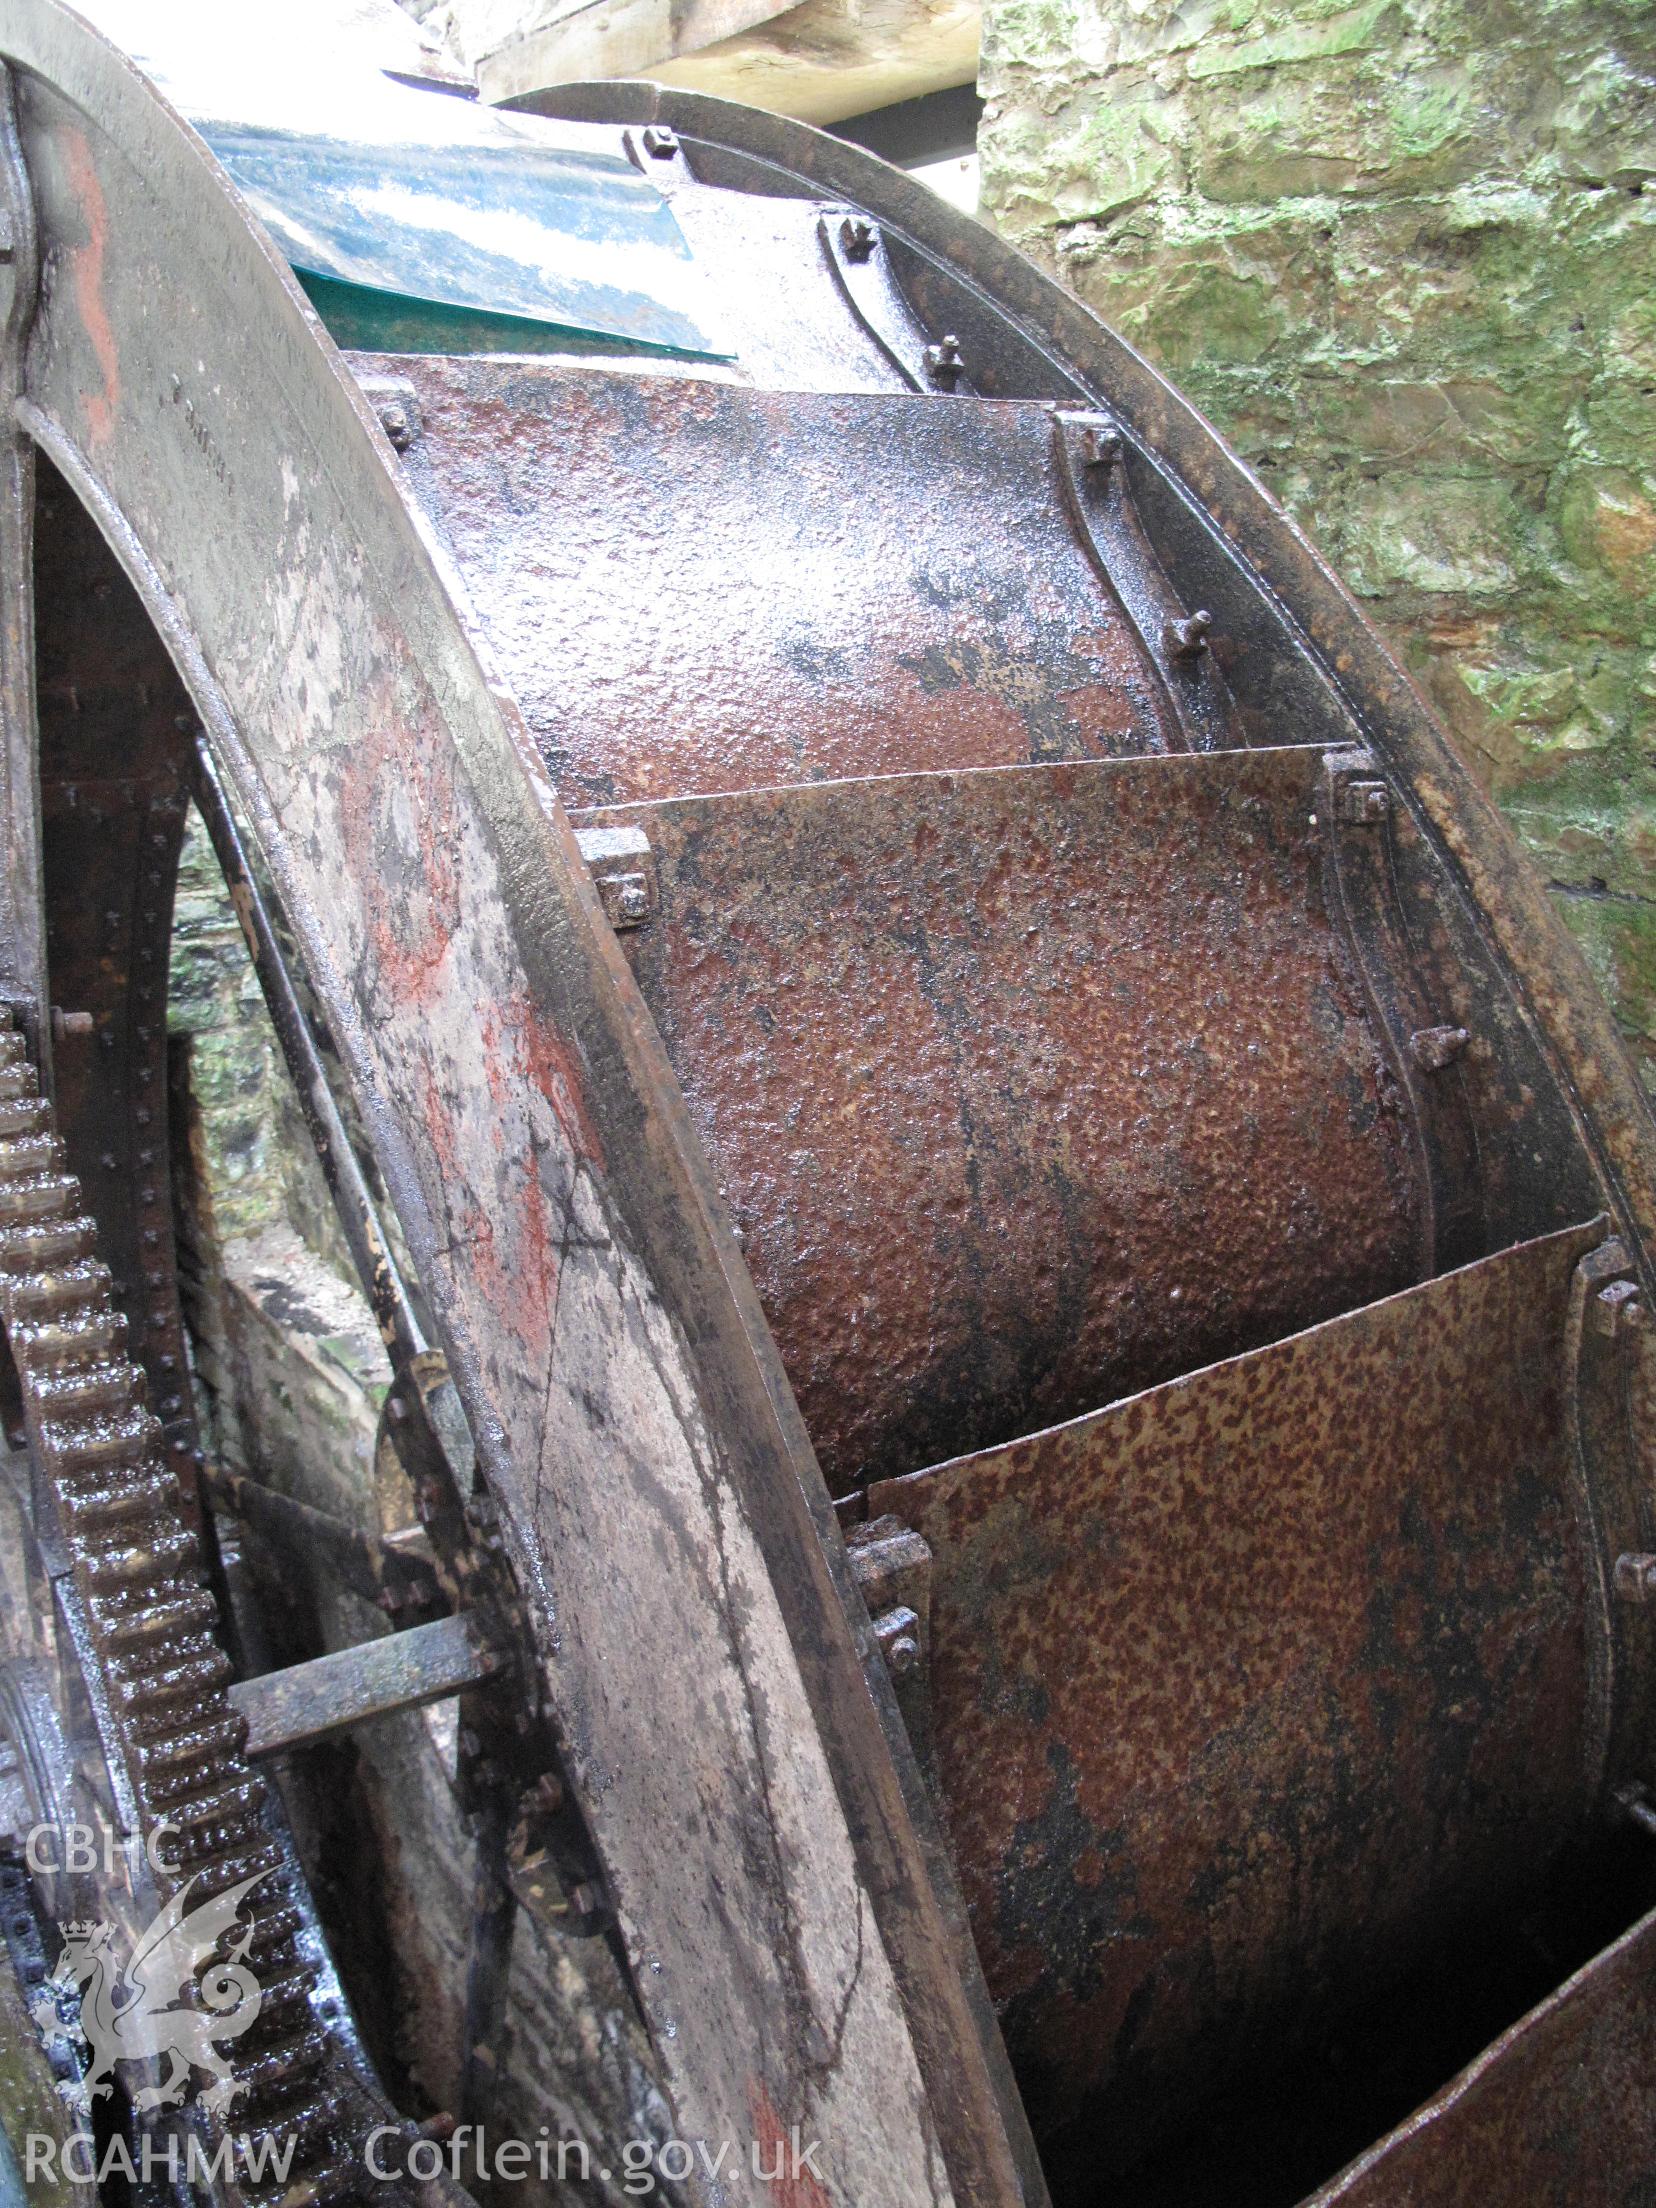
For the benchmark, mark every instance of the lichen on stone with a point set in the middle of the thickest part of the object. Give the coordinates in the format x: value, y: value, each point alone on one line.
x: 1402, y: 253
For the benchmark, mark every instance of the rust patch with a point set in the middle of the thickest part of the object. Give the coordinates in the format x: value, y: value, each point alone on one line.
x: 1557, y: 2114
x: 690, y: 587
x: 1026, y: 1088
x: 1247, y: 1689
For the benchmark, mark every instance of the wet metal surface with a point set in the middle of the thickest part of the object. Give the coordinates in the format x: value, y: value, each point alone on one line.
x: 1559, y: 2113
x: 1246, y: 1688
x: 1378, y: 1603
x: 307, y: 1702
x: 1026, y: 1088
x: 694, y: 588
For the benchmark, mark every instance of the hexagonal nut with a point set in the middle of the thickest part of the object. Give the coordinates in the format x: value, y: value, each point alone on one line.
x: 1617, y: 1309
x: 397, y: 419
x: 945, y: 362
x: 626, y: 899
x: 1364, y: 803
x: 1187, y: 639
x: 858, y: 238
x: 898, y: 1633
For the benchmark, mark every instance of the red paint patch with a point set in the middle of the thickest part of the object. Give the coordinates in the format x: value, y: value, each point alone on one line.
x: 86, y: 262
x: 413, y: 768
x: 779, y: 2157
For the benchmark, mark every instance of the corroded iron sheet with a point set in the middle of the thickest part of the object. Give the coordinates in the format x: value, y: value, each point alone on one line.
x: 692, y: 587
x: 1026, y: 1088
x: 1248, y: 1688
x: 112, y: 804
x: 1559, y: 2113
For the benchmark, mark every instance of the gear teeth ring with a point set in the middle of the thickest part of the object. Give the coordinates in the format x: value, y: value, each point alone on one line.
x: 137, y: 1568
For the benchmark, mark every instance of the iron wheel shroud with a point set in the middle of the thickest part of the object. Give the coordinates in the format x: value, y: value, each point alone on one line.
x: 909, y: 1022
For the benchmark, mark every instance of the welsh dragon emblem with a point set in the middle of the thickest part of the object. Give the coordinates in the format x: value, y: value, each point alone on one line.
x: 135, y: 2013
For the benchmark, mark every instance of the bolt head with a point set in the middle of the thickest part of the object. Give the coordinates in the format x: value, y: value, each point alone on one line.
x: 903, y: 1654
x: 397, y: 421
x: 945, y: 362
x: 659, y: 142
x: 858, y: 238
x: 1617, y: 1308
x: 625, y: 898
x: 1433, y: 1048
x: 1187, y: 639
x: 1364, y: 803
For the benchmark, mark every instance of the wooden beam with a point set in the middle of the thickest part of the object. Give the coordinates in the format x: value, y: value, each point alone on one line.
x: 820, y: 61
x: 577, y: 39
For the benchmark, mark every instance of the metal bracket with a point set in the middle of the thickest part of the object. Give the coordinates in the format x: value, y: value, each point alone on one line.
x: 1092, y: 470
x: 892, y: 1566
x: 1610, y: 1375
x: 855, y: 251
x: 623, y: 869
x: 1357, y: 813
x: 395, y: 1572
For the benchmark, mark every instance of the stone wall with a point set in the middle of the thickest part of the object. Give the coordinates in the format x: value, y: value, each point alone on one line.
x: 1403, y: 254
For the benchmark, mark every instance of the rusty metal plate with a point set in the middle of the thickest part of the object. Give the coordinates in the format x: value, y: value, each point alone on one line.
x: 691, y: 587
x: 1247, y: 1689
x: 112, y: 804
x: 1027, y: 1088
x: 1559, y: 2113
